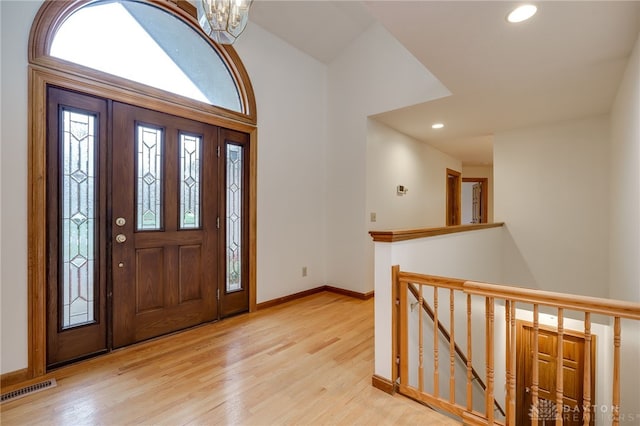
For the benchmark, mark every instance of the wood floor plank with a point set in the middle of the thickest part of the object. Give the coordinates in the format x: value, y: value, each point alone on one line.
x: 306, y: 362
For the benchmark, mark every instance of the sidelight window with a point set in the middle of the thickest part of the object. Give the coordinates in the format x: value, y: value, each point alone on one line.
x: 235, y: 188
x: 78, y: 218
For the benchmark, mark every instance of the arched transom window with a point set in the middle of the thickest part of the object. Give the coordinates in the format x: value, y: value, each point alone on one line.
x: 146, y: 44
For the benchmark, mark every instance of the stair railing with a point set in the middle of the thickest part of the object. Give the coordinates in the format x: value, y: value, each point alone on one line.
x: 405, y: 283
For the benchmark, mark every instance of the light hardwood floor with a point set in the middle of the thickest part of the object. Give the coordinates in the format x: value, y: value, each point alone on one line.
x: 307, y: 362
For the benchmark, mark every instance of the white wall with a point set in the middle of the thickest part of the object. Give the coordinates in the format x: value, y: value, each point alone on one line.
x: 396, y: 159
x: 433, y: 256
x: 290, y: 89
x: 16, y: 23
x: 372, y: 75
x: 624, y: 221
x: 482, y: 172
x: 291, y: 94
x: 551, y: 189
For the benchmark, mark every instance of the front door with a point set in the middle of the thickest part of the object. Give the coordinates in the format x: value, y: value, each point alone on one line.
x: 164, y: 223
x: 147, y: 226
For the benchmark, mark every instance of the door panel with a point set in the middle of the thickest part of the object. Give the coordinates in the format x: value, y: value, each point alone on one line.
x: 165, y: 276
x: 190, y: 273
x: 76, y: 199
x: 573, y: 367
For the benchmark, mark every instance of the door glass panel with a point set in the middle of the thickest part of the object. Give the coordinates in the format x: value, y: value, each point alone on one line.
x: 149, y: 178
x: 78, y: 218
x: 190, y: 181
x: 234, y: 217
x: 146, y: 44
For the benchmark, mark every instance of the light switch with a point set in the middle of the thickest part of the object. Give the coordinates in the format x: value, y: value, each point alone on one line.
x: 373, y: 216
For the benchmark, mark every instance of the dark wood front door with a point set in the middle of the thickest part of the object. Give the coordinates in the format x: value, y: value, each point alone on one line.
x: 165, y: 218
x: 148, y: 230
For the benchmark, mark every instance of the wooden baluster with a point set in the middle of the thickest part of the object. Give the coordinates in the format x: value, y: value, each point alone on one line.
x: 436, y: 374
x: 489, y: 312
x: 421, y: 342
x: 586, y: 384
x: 559, y: 369
x: 404, y: 335
x: 616, y: 372
x: 511, y: 416
x: 507, y: 347
x: 469, y: 364
x: 534, y: 370
x: 452, y: 350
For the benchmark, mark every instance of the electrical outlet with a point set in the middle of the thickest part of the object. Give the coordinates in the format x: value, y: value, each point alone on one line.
x: 304, y: 271
x: 373, y: 216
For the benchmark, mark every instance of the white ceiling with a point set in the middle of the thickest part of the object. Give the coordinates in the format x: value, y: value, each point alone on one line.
x: 565, y: 63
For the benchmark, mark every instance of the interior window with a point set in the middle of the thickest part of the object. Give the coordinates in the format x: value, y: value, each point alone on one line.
x: 131, y: 40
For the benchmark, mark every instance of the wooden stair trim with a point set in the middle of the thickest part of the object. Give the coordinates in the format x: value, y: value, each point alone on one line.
x: 383, y: 384
x: 412, y: 234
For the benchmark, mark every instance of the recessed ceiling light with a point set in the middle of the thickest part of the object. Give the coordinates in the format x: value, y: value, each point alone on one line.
x: 522, y: 13
x: 437, y: 126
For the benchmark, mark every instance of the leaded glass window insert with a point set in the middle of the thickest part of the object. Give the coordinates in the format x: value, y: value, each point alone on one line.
x: 149, y: 178
x: 235, y: 187
x: 78, y: 181
x: 190, y: 147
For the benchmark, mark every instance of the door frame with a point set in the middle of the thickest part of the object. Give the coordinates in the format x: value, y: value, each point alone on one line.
x: 484, y: 197
x: 44, y: 71
x: 453, y: 198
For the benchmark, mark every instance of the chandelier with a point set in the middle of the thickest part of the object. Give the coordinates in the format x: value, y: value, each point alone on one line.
x: 223, y: 20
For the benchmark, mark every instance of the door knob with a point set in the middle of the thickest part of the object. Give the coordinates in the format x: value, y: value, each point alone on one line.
x: 121, y: 238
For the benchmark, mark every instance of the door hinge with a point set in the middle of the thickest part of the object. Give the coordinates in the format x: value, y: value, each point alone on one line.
x: 397, y: 360
x: 218, y: 294
x: 218, y: 222
x: 218, y: 151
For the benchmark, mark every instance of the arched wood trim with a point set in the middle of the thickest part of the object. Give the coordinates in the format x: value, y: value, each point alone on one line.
x: 45, y: 70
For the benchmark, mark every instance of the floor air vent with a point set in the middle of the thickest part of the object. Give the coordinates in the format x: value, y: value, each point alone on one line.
x: 28, y: 390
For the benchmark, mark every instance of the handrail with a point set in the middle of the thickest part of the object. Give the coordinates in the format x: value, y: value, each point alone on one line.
x: 461, y: 355
x: 610, y: 307
x: 412, y: 234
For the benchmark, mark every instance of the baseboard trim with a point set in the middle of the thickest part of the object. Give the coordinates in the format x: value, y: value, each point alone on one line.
x: 300, y: 295
x: 13, y: 378
x: 284, y: 299
x: 361, y: 296
x: 383, y: 384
